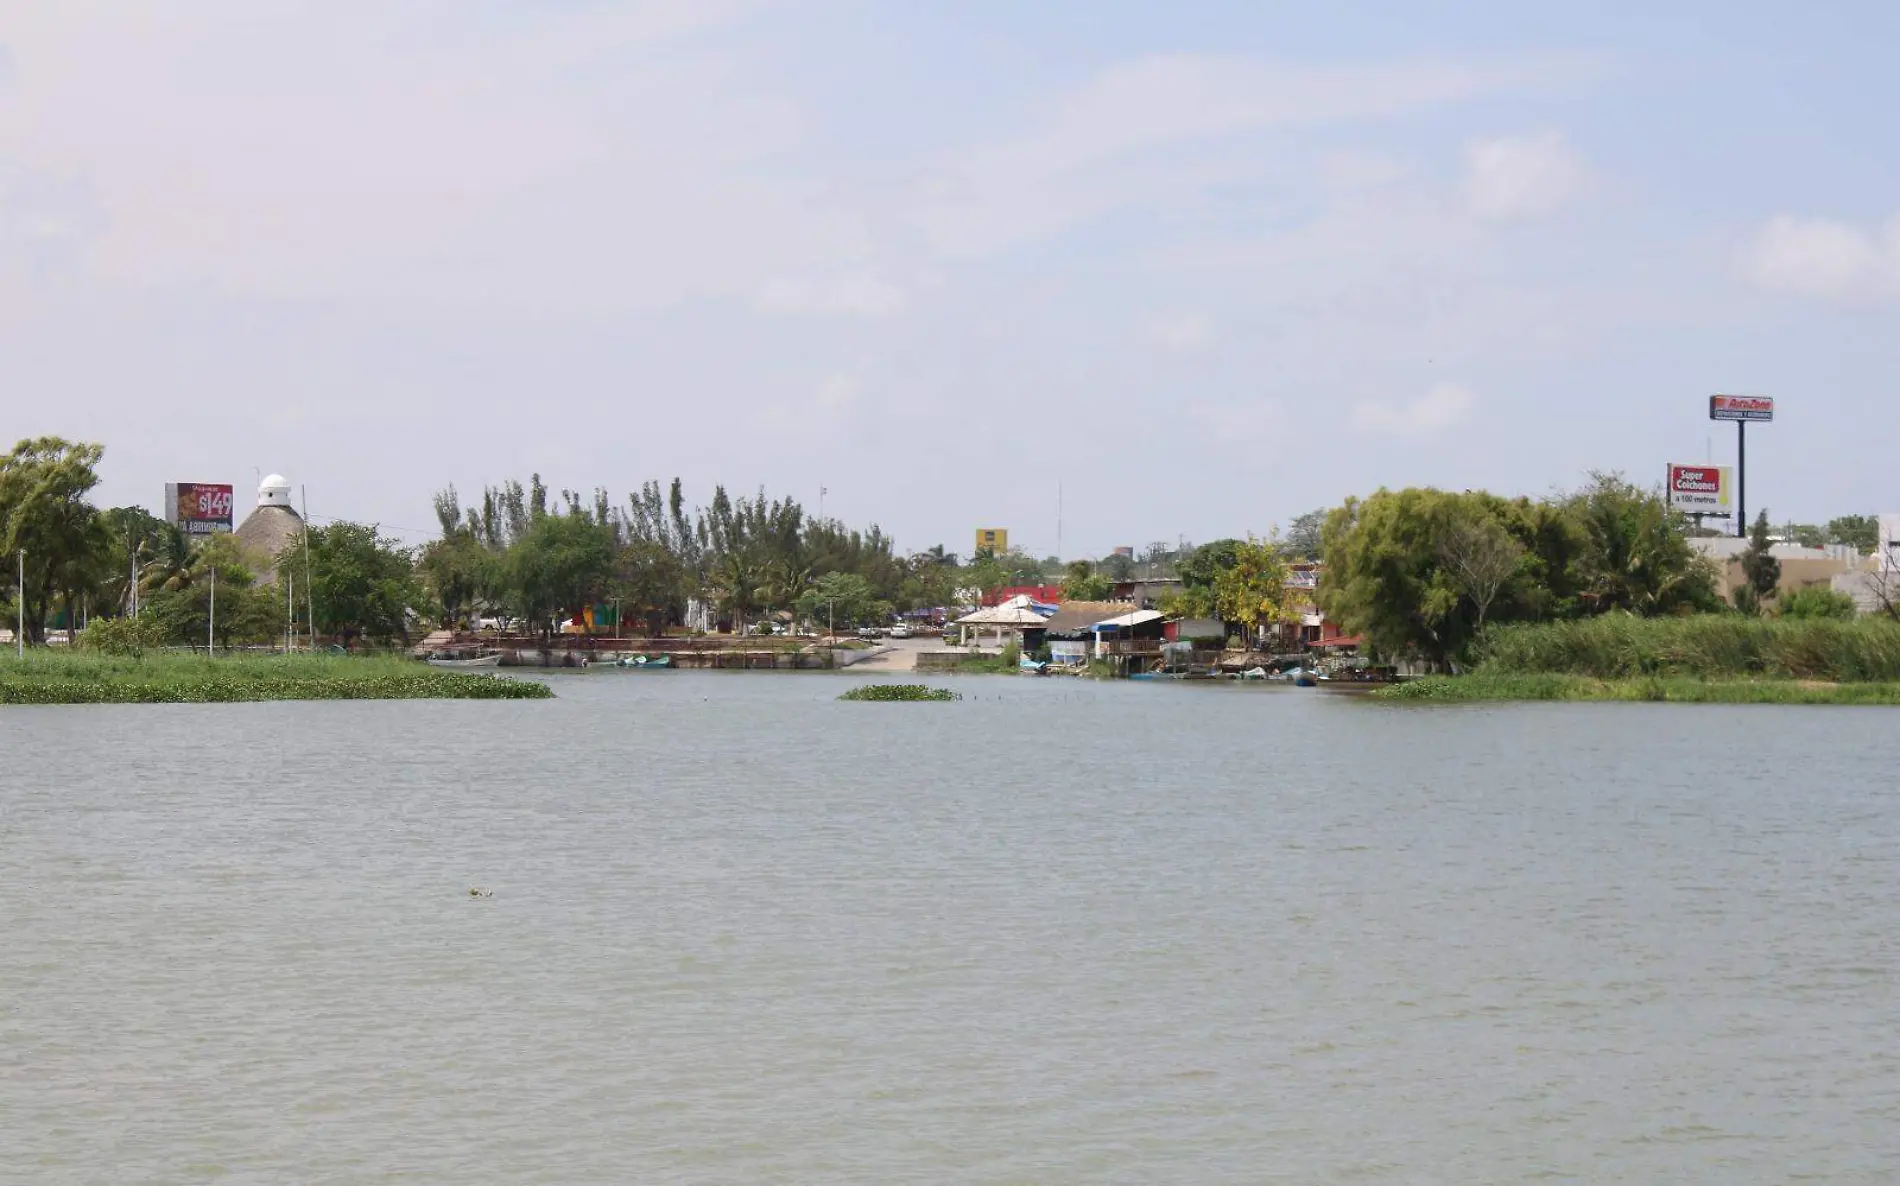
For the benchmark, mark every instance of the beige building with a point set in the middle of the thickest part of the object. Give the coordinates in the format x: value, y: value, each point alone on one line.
x: 1801, y: 568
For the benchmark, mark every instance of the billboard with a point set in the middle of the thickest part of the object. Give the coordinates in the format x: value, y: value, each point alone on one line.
x: 992, y: 539
x: 1700, y: 489
x: 1741, y: 407
x: 198, y: 508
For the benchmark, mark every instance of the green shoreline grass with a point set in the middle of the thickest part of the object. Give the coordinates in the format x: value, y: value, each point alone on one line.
x: 1483, y: 686
x: 78, y: 677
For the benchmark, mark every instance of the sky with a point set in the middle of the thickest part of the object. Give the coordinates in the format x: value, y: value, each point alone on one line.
x: 1123, y: 272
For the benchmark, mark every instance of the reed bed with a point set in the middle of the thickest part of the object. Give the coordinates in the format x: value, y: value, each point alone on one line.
x: 1677, y: 690
x: 1706, y: 647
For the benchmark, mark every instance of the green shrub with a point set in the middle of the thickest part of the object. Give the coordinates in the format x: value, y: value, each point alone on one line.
x: 122, y: 636
x: 1817, y: 602
x: 899, y: 692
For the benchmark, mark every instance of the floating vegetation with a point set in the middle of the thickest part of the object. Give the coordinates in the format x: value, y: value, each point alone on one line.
x: 78, y: 677
x: 905, y: 692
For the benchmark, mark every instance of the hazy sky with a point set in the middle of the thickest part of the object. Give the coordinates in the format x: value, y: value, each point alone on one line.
x: 1204, y: 265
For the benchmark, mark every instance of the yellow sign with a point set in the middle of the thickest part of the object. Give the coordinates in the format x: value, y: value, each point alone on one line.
x: 992, y: 539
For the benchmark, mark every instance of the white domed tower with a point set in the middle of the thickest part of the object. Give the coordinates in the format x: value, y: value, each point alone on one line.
x: 272, y: 528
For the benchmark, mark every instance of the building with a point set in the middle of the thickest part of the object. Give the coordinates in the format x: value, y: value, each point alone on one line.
x: 1047, y: 594
x: 271, y: 529
x: 1874, y: 583
x: 1801, y: 568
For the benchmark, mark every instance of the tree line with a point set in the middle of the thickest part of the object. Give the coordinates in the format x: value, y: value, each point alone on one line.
x: 1424, y: 571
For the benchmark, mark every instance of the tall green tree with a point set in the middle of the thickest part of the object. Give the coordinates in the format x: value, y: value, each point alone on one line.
x: 1081, y: 582
x: 1761, y: 572
x: 561, y: 565
x: 1251, y: 592
x: 1387, y: 574
x: 1861, y: 532
x: 651, y: 582
x: 1305, y: 538
x: 842, y: 599
x: 1634, y: 552
x: 44, y: 513
x: 362, y: 585
x: 1480, y: 557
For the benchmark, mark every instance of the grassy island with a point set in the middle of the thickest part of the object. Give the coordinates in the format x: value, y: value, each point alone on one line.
x: 78, y: 677
x: 1708, y: 658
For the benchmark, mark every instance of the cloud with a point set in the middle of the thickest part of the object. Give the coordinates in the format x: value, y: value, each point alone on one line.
x: 837, y: 391
x: 1825, y: 258
x: 434, y: 158
x: 1181, y: 331
x: 858, y: 295
x: 1093, y: 149
x: 1444, y: 405
x: 1512, y: 179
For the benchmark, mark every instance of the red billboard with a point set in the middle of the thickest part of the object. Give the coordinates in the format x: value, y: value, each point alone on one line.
x: 198, y: 508
x: 1700, y: 489
x: 1741, y: 407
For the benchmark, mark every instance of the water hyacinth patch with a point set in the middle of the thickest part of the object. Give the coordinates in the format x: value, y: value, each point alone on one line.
x: 68, y: 677
x: 900, y: 692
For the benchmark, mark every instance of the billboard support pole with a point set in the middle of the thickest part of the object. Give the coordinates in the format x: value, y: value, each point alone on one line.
x: 1741, y: 478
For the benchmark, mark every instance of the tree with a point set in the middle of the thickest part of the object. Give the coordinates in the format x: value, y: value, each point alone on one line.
x: 1760, y: 570
x: 560, y: 565
x: 44, y: 513
x: 1386, y: 576
x: 1860, y: 532
x: 842, y: 599
x: 1305, y: 538
x: 1118, y: 566
x: 1633, y: 551
x: 1206, y: 562
x: 137, y: 538
x: 215, y: 592
x: 362, y: 585
x: 1816, y: 601
x: 651, y: 583
x: 1481, y: 557
x: 1080, y: 582
x: 738, y: 577
x: 1252, y: 591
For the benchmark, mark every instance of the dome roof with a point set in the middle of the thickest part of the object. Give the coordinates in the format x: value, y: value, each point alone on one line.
x: 274, y: 491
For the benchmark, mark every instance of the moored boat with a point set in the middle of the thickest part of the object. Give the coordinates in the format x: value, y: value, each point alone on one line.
x: 477, y: 663
x: 645, y: 662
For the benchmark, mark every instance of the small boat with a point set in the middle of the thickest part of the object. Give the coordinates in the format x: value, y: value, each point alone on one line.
x: 646, y: 662
x: 478, y: 663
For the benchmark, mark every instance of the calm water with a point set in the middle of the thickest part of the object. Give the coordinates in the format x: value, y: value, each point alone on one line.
x: 1057, y: 933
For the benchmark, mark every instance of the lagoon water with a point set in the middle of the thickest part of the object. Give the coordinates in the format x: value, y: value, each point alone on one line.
x: 1059, y: 932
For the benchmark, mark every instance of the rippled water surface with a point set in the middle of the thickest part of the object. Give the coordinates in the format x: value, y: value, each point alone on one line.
x: 1056, y: 933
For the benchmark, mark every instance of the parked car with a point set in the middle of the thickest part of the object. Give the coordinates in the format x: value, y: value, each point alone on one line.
x: 901, y: 630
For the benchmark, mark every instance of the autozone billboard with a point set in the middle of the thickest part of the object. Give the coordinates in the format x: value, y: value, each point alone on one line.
x: 198, y: 508
x: 1741, y: 407
x: 1700, y: 489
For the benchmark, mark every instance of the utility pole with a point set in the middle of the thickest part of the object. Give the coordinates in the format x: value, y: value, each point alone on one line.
x: 19, y: 633
x: 211, y: 618
x: 309, y: 588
